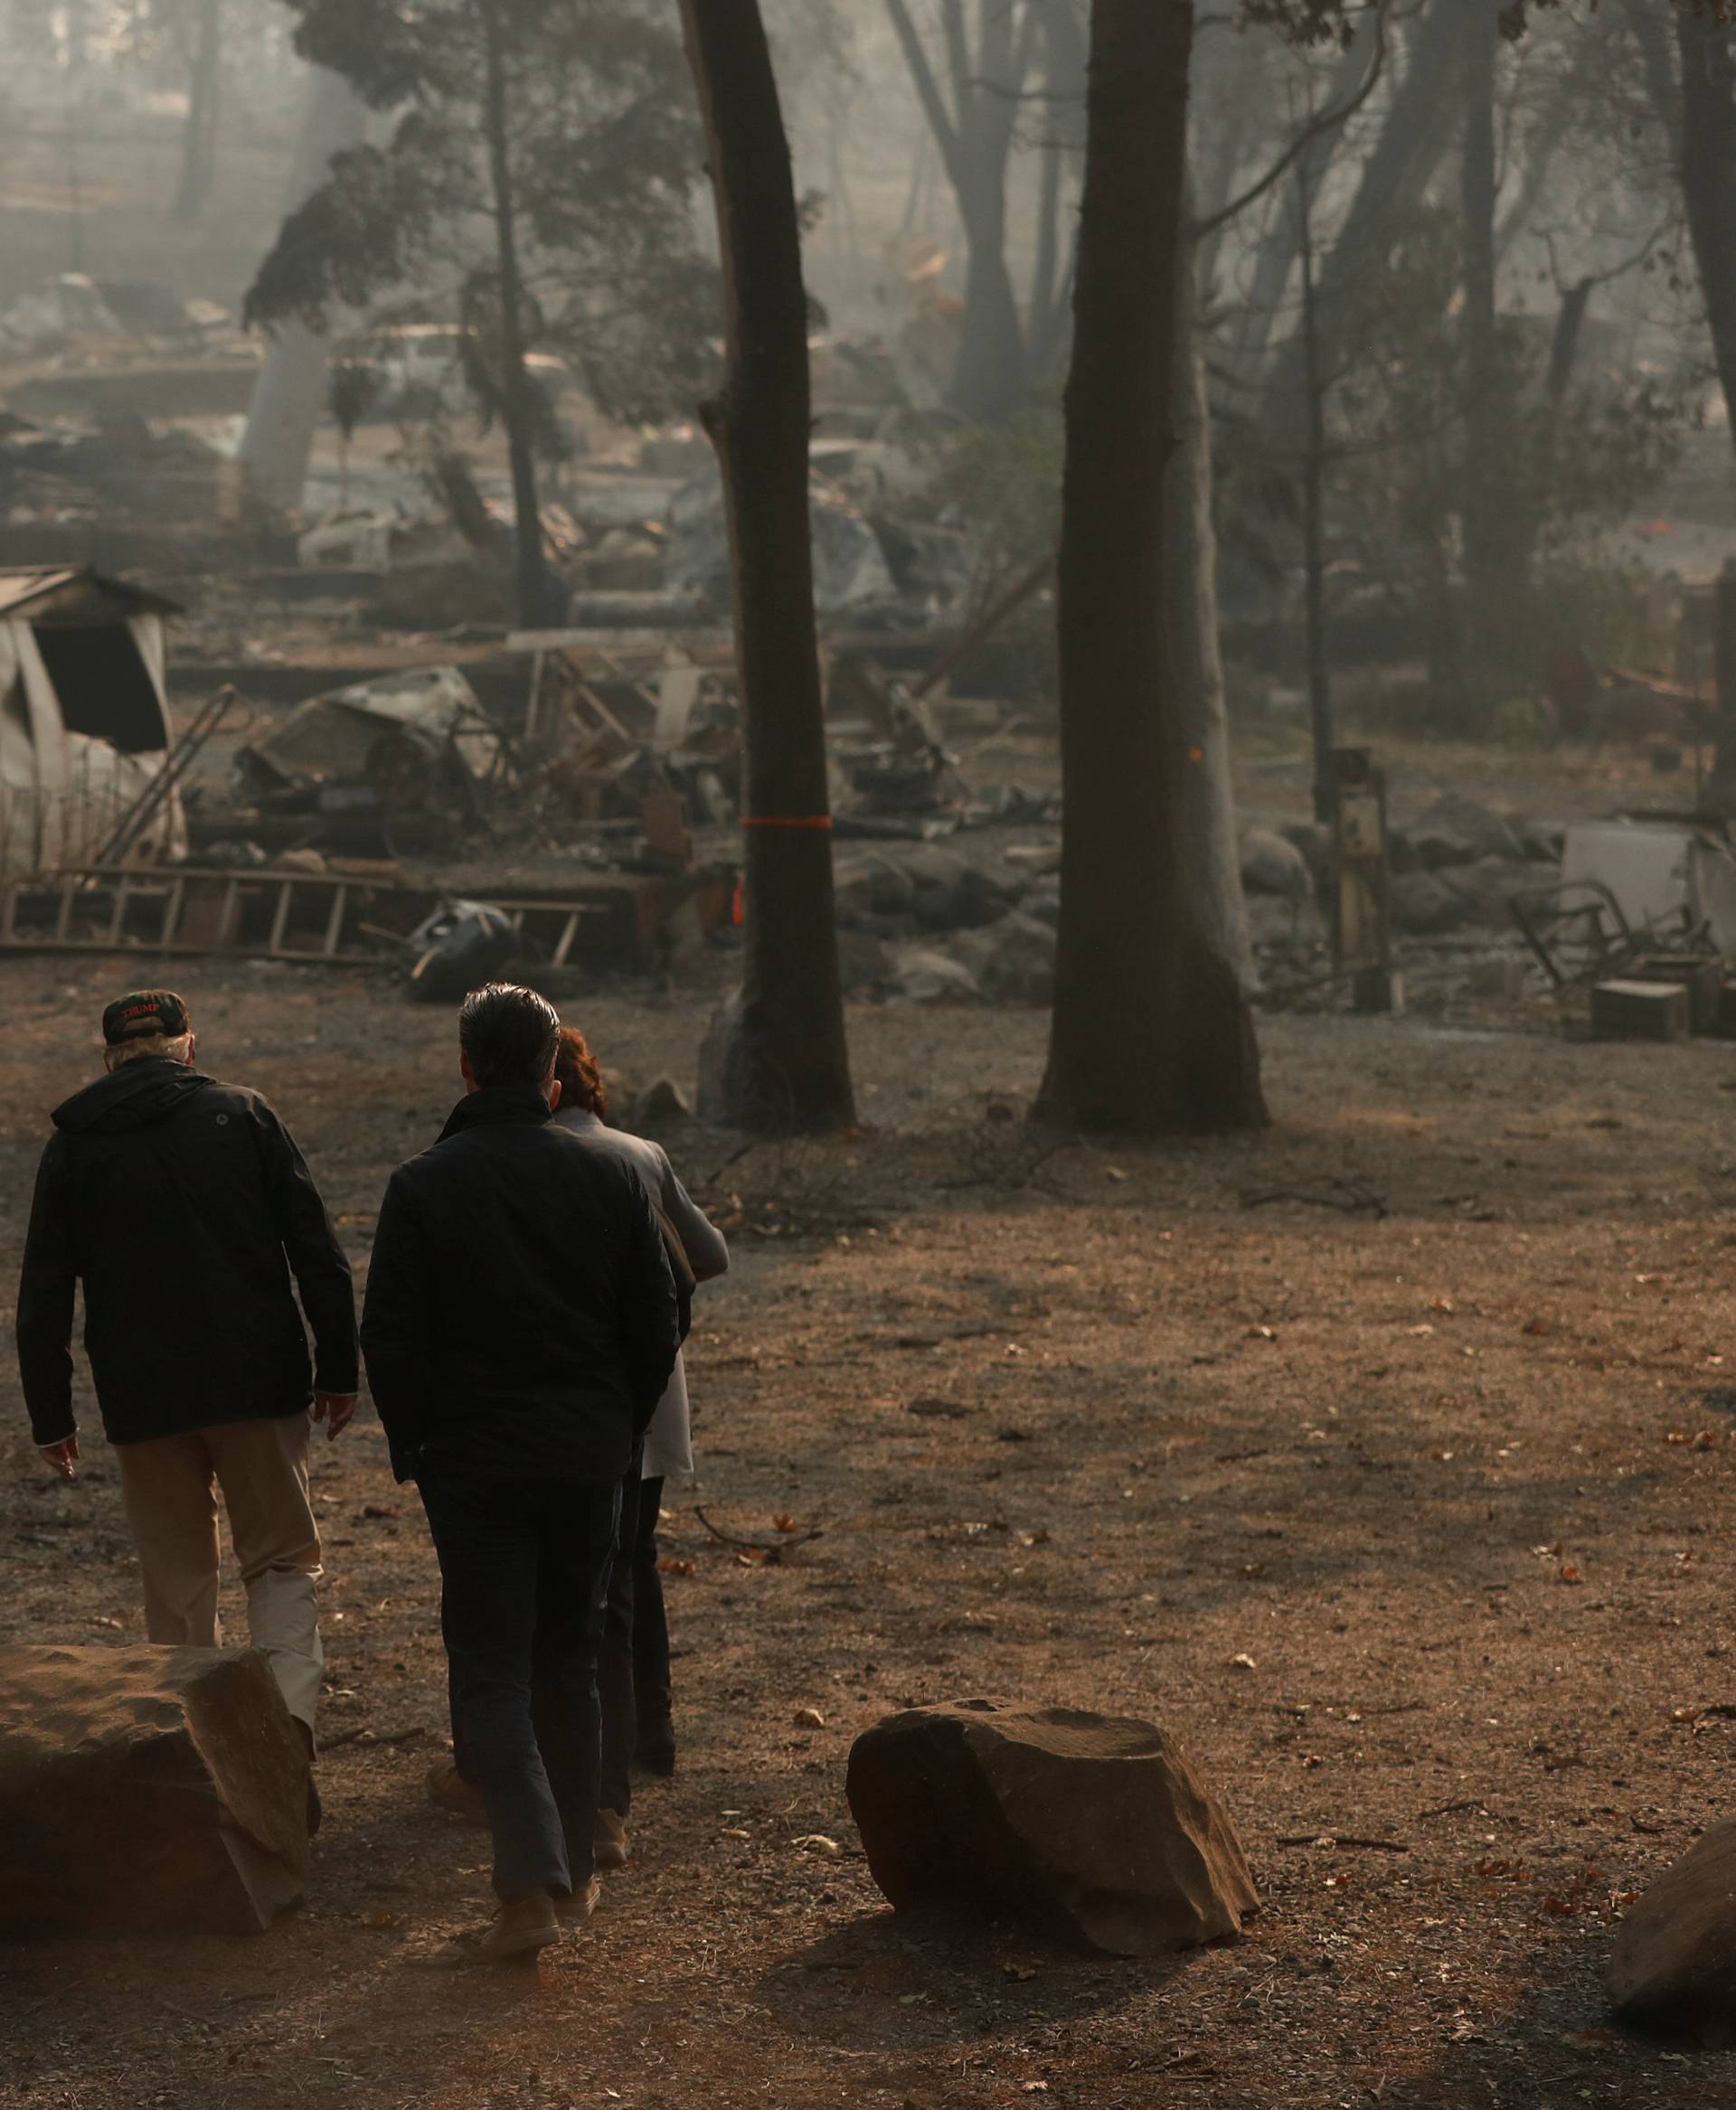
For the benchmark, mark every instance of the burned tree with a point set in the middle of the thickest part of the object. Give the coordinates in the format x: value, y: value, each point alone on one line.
x: 974, y: 131
x: 288, y: 394
x: 544, y: 157
x: 1151, y: 1029
x: 784, y: 1061
x: 199, y: 143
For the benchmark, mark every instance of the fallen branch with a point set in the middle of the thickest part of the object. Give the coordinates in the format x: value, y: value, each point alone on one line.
x: 773, y: 1551
x: 1352, y: 1196
x: 356, y: 1735
x: 1338, y: 1839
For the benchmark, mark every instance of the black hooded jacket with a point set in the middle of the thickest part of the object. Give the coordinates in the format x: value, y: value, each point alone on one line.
x: 520, y: 1320
x: 176, y: 1200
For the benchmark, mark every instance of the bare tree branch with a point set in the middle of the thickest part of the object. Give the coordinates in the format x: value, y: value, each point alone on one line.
x: 1327, y: 121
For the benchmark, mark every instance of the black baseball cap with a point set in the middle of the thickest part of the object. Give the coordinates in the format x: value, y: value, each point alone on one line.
x: 145, y: 1011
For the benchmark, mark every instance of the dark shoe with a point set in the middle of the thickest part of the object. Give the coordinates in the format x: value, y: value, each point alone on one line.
x: 656, y: 1750
x: 610, y: 1839
x: 449, y: 1790
x: 577, y: 1906
x: 520, y: 1929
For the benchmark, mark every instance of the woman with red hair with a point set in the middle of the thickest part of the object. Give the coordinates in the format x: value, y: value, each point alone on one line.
x: 633, y: 1674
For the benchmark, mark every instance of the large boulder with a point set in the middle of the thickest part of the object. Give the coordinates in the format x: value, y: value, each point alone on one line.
x: 146, y: 1791
x: 1271, y: 865
x: 1674, y: 1970
x: 1092, y: 1828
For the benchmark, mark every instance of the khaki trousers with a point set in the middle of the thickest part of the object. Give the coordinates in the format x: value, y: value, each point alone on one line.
x: 261, y: 1467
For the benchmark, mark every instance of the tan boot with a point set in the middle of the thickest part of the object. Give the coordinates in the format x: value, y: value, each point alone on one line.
x: 450, y: 1791
x: 577, y: 1906
x: 520, y: 1929
x: 610, y: 1839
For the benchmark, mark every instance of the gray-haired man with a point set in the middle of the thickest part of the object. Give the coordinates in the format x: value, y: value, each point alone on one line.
x: 182, y: 1206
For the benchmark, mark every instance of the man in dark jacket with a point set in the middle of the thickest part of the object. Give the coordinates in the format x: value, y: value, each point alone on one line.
x: 519, y: 1328
x: 176, y: 1200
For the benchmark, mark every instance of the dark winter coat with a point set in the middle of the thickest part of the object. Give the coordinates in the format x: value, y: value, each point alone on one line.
x: 183, y: 1205
x: 520, y: 1320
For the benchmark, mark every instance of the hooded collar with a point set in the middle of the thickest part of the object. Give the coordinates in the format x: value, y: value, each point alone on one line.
x: 139, y: 1092
x: 497, y: 1106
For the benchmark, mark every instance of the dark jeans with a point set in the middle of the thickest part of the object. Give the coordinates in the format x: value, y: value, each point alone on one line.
x: 636, y: 1641
x: 524, y: 1579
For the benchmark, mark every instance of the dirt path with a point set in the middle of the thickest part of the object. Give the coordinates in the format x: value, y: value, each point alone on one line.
x: 1082, y: 1426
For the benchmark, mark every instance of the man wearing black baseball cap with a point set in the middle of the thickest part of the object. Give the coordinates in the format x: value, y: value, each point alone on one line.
x: 183, y: 1205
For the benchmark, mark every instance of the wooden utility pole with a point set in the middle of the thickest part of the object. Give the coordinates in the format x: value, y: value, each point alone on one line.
x: 786, y: 1063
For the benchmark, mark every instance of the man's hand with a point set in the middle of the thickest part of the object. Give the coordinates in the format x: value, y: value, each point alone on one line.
x: 62, y: 1457
x: 336, y: 1410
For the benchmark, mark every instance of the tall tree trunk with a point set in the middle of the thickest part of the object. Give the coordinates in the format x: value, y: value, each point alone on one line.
x: 1709, y: 180
x: 541, y: 596
x: 1152, y: 1030
x: 290, y: 392
x: 1493, y: 553
x: 199, y: 145
x: 1213, y: 853
x: 975, y: 137
x: 786, y: 1063
x: 988, y: 383
x: 1051, y: 286
x: 1314, y: 517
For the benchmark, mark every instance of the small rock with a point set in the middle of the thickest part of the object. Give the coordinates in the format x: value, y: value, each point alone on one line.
x: 809, y: 1718
x: 661, y: 1103
x: 1089, y: 1827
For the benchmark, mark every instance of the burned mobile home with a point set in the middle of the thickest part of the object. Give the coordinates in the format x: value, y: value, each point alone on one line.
x: 84, y: 721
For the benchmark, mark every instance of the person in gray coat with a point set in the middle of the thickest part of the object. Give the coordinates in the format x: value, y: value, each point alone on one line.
x: 637, y: 1721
